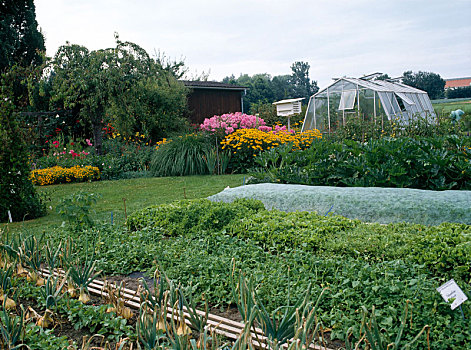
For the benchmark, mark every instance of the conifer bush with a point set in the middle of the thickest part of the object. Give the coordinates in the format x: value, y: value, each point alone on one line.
x: 17, y: 193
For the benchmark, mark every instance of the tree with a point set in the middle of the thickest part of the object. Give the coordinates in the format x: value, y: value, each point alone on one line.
x: 430, y: 82
x: 121, y: 85
x: 17, y: 193
x: 383, y: 76
x: 19, y: 35
x: 303, y: 86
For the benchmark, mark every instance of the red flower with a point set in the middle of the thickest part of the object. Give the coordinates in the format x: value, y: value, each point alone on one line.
x: 71, y: 143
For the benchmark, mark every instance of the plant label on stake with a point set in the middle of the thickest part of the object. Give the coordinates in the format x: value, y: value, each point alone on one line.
x: 450, y: 290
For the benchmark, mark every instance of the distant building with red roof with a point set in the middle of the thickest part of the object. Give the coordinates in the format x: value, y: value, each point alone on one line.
x: 457, y: 83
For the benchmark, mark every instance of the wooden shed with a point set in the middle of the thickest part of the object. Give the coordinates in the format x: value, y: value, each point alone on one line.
x: 209, y: 98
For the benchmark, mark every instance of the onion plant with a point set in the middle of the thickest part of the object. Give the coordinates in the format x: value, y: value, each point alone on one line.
x: 12, y: 330
x: 117, y: 299
x: 82, y: 275
x: 31, y: 255
x: 148, y: 331
x: 5, y: 287
x: 53, y: 256
x: 51, y: 292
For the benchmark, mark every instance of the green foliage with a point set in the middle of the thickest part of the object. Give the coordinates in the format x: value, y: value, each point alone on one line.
x: 12, y: 329
x: 184, y: 155
x: 356, y: 274
x: 446, y: 245
x: 17, y: 193
x: 460, y: 92
x: 263, y: 88
x: 76, y: 209
x: 434, y: 163
x: 303, y: 86
x: 21, y: 39
x: 122, y: 85
x: 192, y: 215
x: 267, y: 111
x: 430, y: 82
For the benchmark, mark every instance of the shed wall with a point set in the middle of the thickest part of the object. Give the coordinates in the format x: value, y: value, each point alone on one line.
x: 205, y: 103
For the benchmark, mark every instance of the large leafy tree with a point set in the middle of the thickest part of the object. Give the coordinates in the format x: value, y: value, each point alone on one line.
x: 430, y: 82
x: 302, y: 85
x: 263, y: 88
x: 121, y: 85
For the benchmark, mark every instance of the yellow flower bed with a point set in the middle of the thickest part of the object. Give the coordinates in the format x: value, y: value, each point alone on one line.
x: 245, y: 144
x: 57, y: 174
x: 254, y: 140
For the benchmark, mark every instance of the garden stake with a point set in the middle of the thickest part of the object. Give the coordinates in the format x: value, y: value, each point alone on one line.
x: 125, y: 215
x: 184, y: 192
x: 329, y: 210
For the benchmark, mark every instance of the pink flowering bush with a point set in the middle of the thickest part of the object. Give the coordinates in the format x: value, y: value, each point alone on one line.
x: 228, y: 123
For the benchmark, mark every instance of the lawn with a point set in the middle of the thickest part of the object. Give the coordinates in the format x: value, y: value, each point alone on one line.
x: 139, y: 193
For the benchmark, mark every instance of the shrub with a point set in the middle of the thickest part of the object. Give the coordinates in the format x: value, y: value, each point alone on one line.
x: 17, y: 193
x: 245, y: 144
x: 184, y: 155
x: 228, y: 123
x: 56, y: 175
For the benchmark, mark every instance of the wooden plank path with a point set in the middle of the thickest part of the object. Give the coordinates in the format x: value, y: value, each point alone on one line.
x: 228, y: 328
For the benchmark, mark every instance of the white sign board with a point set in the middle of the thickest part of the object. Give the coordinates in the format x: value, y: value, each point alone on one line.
x: 450, y: 290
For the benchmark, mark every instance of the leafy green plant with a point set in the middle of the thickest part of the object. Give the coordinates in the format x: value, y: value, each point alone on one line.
x: 184, y: 155
x: 376, y: 339
x: 433, y: 163
x: 76, y: 209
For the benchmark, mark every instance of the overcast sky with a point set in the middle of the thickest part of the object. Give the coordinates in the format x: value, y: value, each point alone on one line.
x: 336, y: 37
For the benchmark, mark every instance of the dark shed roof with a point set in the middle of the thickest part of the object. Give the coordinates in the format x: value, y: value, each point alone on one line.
x: 212, y: 85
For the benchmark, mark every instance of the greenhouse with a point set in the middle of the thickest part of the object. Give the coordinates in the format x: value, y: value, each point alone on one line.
x: 378, y: 101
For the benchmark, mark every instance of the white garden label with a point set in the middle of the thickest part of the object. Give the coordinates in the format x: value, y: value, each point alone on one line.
x: 450, y: 290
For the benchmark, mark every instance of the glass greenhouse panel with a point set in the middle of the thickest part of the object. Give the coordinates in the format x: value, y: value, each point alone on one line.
x: 309, y: 121
x: 347, y: 100
x: 321, y: 114
x: 367, y: 99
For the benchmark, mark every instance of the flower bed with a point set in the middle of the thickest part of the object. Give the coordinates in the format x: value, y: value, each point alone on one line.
x: 57, y: 174
x: 245, y: 144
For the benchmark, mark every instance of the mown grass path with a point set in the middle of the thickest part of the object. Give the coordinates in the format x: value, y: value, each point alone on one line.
x: 139, y: 193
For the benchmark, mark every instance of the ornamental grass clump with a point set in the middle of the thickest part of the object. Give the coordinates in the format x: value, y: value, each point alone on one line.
x: 184, y: 155
x: 57, y: 174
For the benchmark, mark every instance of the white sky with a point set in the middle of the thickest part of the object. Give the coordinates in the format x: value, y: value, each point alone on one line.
x: 224, y: 37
